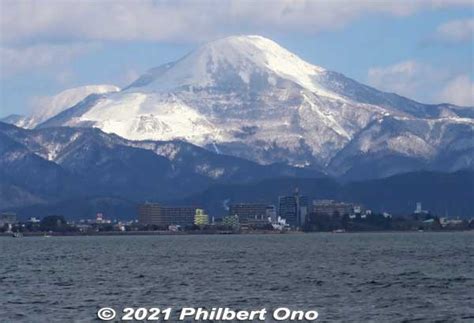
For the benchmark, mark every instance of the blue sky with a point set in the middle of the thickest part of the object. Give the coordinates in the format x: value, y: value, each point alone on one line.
x: 420, y: 49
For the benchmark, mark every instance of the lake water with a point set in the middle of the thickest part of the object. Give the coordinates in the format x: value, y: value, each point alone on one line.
x: 366, y: 277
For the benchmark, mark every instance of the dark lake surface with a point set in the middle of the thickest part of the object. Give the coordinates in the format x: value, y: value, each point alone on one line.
x: 356, y: 277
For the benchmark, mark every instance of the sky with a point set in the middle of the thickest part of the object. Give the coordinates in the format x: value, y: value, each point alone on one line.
x: 422, y: 49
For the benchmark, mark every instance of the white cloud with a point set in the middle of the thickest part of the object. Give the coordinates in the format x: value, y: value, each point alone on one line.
x: 422, y: 82
x: 408, y: 78
x: 15, y: 60
x: 36, y: 34
x: 461, y: 30
x: 30, y: 20
x: 459, y: 90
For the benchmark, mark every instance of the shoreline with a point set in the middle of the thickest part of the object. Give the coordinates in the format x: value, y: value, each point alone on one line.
x: 169, y: 233
x: 138, y: 233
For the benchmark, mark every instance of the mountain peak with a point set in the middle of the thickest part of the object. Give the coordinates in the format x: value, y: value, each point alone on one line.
x: 244, y: 43
x: 239, y: 58
x: 244, y: 38
x: 249, y: 97
x: 258, y: 49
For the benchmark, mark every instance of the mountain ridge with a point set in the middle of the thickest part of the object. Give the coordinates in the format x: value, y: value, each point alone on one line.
x: 54, y: 164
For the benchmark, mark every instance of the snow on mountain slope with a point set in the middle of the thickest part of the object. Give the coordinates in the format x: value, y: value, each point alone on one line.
x: 132, y: 113
x: 249, y: 97
x: 47, y: 107
x: 19, y: 121
x: 396, y: 145
x: 81, y: 149
x: 51, y: 106
x: 245, y: 55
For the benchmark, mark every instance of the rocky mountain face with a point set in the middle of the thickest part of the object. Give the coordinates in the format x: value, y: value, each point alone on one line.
x: 248, y: 97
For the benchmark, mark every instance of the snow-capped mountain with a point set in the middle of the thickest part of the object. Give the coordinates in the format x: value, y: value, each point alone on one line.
x: 48, y: 107
x: 247, y: 96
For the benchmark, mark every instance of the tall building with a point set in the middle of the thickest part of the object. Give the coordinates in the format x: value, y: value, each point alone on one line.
x: 200, y: 218
x: 287, y: 209
x: 303, y: 210
x: 164, y: 216
x: 294, y: 209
